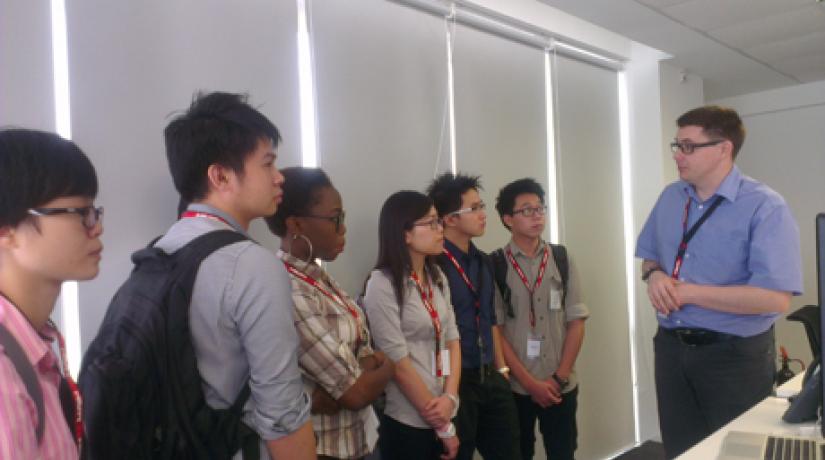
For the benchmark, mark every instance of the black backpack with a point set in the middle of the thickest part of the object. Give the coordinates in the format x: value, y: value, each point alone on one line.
x: 501, y: 265
x: 143, y: 395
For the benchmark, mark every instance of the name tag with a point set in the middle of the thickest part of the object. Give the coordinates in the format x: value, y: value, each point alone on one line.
x: 533, y: 348
x: 445, y: 363
x: 555, y: 299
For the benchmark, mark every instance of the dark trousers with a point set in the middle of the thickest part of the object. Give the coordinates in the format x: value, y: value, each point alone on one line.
x: 487, y: 417
x: 557, y: 424
x: 700, y: 388
x: 398, y: 441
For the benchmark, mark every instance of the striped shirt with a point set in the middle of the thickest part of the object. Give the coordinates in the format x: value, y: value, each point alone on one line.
x: 332, y: 342
x: 18, y: 413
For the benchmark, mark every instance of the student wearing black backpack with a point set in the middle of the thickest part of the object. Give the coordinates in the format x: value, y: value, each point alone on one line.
x: 542, y: 318
x: 49, y: 233
x: 237, y: 341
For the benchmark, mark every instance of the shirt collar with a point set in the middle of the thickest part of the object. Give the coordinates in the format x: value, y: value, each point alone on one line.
x: 728, y: 189
x: 203, y: 207
x: 458, y: 253
x: 310, y: 269
x: 517, y: 250
x: 551, y: 270
x: 35, y: 345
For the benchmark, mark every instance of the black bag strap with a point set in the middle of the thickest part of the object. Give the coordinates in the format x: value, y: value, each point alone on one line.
x: 24, y: 368
x: 188, y: 259
x: 560, y: 256
x: 500, y: 275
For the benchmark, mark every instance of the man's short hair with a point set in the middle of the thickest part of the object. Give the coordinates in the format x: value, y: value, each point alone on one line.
x: 218, y: 128
x: 446, y: 190
x: 506, y: 199
x: 37, y: 167
x: 717, y: 123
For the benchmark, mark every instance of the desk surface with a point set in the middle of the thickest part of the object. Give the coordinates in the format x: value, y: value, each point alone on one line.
x: 765, y: 417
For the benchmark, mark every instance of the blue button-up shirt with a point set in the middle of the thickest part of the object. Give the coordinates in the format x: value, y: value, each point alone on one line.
x: 751, y: 239
x: 464, y: 302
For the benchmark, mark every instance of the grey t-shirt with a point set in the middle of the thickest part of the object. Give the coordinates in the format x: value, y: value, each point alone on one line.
x: 242, y: 328
x: 408, y: 332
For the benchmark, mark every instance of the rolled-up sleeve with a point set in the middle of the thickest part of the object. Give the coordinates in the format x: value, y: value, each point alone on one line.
x: 575, y: 308
x: 326, y: 359
x: 263, y: 316
x: 384, y: 315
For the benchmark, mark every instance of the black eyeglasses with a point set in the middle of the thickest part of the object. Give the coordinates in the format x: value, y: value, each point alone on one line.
x: 337, y: 219
x: 90, y: 215
x: 435, y: 223
x: 475, y: 208
x: 689, y: 147
x: 530, y: 212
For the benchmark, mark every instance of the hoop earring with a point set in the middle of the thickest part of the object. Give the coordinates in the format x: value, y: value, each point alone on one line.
x: 308, y: 243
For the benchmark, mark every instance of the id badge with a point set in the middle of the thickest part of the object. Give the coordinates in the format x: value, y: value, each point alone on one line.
x: 445, y: 363
x: 555, y: 299
x: 533, y: 348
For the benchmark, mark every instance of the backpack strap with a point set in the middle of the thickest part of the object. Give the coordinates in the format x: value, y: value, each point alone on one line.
x: 24, y: 368
x: 560, y: 256
x: 500, y: 276
x: 188, y: 259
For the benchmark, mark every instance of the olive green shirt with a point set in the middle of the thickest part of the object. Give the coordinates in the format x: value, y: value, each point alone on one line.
x: 551, y: 316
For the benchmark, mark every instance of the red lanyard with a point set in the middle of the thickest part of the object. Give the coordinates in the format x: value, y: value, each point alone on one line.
x: 677, y: 265
x: 427, y: 300
x: 78, y: 399
x: 476, y: 296
x: 536, y: 285
x: 188, y: 214
x: 336, y: 297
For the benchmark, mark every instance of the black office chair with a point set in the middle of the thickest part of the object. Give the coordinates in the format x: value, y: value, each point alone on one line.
x: 809, y: 317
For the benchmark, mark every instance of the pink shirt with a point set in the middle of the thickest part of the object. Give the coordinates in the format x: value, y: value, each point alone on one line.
x: 18, y: 413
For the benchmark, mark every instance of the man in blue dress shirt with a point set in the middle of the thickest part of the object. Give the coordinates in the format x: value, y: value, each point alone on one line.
x: 721, y: 259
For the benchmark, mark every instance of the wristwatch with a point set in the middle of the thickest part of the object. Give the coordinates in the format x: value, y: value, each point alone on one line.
x: 562, y: 382
x: 504, y: 370
x: 646, y: 275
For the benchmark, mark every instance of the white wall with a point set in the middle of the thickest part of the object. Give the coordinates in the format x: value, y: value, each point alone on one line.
x: 785, y: 149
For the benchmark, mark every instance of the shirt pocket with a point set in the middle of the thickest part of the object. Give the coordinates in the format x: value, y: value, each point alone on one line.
x: 726, y: 260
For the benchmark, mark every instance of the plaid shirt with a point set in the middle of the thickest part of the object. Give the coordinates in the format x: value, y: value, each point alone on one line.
x: 332, y: 342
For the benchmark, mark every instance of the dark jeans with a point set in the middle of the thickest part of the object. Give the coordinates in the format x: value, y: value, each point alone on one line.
x: 557, y: 424
x: 398, y: 441
x: 700, y: 388
x: 487, y: 418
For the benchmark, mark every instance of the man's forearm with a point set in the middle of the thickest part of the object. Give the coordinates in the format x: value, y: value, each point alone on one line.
x: 498, y: 354
x: 735, y: 299
x: 572, y: 345
x: 299, y: 445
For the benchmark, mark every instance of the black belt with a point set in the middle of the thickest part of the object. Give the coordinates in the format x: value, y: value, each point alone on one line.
x: 696, y: 337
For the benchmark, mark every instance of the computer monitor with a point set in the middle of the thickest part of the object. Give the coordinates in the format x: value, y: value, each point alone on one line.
x: 820, y: 282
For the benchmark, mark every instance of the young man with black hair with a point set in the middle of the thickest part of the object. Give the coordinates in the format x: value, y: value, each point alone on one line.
x: 486, y: 416
x: 721, y: 260
x: 49, y: 233
x: 221, y: 154
x: 542, y: 318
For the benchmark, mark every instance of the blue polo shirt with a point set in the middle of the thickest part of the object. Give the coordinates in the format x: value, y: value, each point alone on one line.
x: 464, y: 303
x: 751, y: 239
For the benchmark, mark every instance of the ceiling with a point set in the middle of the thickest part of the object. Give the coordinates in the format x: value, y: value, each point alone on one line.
x: 736, y: 46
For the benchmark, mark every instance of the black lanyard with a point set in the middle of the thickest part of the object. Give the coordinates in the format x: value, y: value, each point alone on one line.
x: 687, y: 235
